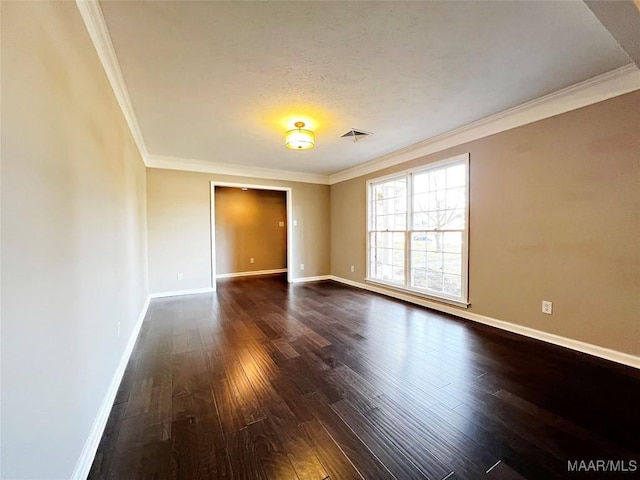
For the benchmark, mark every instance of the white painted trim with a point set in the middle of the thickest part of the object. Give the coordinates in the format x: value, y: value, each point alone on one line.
x: 253, y: 186
x: 212, y: 226
x: 577, y: 345
x: 96, y: 26
x: 252, y: 273
x: 191, y: 165
x: 597, y: 89
x: 290, y: 221
x: 407, y: 176
x: 176, y: 293
x: 83, y: 466
x: 417, y: 293
x: 463, y: 157
x: 311, y: 279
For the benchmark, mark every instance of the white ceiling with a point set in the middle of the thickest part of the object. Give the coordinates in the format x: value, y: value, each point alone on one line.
x: 222, y: 81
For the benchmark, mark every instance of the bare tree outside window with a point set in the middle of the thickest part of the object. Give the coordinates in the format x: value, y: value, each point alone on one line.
x: 417, y: 230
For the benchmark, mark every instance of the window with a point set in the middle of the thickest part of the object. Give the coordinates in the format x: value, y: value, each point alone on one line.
x: 418, y: 230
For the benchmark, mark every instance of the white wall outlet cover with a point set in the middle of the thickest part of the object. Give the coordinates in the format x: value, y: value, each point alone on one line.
x: 281, y: 224
x: 353, y: 268
x: 302, y: 266
x: 251, y: 260
x: 295, y: 223
x: 547, y: 307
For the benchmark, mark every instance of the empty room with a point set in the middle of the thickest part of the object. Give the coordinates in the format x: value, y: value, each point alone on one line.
x: 319, y: 240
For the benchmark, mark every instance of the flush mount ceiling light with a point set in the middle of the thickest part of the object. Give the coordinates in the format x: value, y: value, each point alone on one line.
x: 299, y: 139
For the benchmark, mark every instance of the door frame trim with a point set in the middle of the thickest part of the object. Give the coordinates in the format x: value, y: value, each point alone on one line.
x: 288, y: 196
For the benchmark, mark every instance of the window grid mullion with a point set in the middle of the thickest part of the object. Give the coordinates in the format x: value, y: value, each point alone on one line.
x: 459, y: 246
x: 408, y: 230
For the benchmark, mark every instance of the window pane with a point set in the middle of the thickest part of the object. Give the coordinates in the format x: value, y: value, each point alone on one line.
x: 437, y: 229
x: 452, y: 285
x: 434, y: 241
x: 398, y: 275
x: 434, y: 282
x: 452, y: 263
x: 419, y: 241
x: 456, y: 176
x: 450, y: 219
x: 386, y: 256
x: 420, y: 182
x: 418, y: 260
x: 387, y: 272
x: 420, y: 221
x: 437, y: 200
x: 419, y: 278
x: 398, y: 240
x: 420, y: 202
x: 400, y: 203
x: 452, y: 242
x: 437, y: 180
x: 455, y: 198
x: 398, y: 258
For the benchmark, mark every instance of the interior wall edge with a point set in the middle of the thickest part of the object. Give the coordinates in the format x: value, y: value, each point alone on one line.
x: 577, y: 345
x: 83, y: 466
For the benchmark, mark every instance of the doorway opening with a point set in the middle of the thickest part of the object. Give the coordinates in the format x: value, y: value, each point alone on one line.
x: 250, y: 230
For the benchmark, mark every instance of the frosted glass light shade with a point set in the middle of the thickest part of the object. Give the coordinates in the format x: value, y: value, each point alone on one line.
x: 299, y: 139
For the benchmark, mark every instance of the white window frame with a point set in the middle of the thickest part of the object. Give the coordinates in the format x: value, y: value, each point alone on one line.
x: 461, y: 301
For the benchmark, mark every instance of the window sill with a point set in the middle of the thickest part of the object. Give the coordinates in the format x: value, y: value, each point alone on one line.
x: 417, y: 293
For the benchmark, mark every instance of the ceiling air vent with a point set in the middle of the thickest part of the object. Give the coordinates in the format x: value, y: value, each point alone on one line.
x: 356, y: 135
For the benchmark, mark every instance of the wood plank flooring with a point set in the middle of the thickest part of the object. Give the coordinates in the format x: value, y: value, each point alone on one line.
x: 267, y: 380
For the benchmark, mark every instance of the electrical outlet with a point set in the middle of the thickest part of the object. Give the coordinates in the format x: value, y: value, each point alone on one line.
x: 118, y: 327
x: 302, y: 266
x: 281, y: 224
x: 251, y: 260
x: 353, y: 269
x: 295, y: 223
x: 547, y: 307
x: 179, y: 276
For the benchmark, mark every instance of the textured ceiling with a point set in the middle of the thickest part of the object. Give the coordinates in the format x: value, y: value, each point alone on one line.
x: 223, y: 81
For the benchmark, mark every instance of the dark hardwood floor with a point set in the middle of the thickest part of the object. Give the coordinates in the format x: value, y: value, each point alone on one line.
x: 313, y: 381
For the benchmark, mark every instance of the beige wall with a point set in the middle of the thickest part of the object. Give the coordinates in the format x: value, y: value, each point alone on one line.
x: 73, y: 238
x: 179, y: 222
x: 555, y: 215
x: 248, y: 226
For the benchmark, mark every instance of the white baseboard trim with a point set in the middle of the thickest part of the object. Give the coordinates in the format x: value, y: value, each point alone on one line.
x: 583, y: 347
x: 254, y: 272
x: 97, y: 429
x: 310, y: 279
x: 176, y: 293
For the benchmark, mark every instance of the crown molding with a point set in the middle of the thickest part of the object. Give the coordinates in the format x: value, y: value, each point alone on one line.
x: 190, y: 165
x: 597, y: 89
x: 96, y: 26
